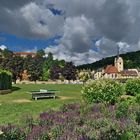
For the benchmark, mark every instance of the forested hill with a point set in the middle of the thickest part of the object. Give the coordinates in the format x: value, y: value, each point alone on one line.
x: 131, y: 60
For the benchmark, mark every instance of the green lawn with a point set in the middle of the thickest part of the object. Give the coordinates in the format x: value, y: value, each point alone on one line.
x: 16, y: 106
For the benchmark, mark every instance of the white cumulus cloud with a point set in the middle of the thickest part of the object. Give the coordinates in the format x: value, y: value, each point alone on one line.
x: 3, y: 47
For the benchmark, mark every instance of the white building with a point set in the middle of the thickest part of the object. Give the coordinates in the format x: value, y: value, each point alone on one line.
x: 98, y: 75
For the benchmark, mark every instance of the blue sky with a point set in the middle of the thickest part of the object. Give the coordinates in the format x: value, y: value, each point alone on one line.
x: 15, y: 43
x: 18, y: 44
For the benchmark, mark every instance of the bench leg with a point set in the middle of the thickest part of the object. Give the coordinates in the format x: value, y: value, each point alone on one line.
x: 36, y: 98
x: 54, y: 97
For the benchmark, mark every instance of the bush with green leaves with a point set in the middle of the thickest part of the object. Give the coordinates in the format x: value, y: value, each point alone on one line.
x: 138, y: 117
x: 102, y: 91
x: 122, y: 109
x: 137, y: 98
x: 5, y: 80
x: 132, y: 87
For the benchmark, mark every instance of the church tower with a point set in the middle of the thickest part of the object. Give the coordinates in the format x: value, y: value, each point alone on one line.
x: 119, y: 62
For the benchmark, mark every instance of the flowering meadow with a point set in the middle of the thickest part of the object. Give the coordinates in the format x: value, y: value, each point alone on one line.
x: 79, y: 122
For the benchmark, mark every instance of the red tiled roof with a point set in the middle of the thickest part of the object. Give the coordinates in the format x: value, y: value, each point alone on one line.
x: 129, y: 73
x: 111, y: 69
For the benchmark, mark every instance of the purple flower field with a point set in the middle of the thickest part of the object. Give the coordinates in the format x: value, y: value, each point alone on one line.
x: 78, y: 122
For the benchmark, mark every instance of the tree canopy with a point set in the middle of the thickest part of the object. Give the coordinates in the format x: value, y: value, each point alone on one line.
x: 38, y: 67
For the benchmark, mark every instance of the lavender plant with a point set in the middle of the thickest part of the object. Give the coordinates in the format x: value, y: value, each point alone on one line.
x: 78, y: 122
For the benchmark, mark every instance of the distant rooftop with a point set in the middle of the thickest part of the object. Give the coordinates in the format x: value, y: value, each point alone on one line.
x: 129, y: 73
x: 24, y: 54
x: 111, y: 69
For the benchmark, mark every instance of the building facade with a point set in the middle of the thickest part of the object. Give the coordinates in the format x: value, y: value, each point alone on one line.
x: 111, y: 72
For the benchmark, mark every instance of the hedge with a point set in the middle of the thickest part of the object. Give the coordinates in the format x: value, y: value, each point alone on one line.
x: 5, y: 80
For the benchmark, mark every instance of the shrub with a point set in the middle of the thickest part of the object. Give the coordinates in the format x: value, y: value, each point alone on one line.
x: 106, y: 91
x: 138, y: 117
x: 138, y: 98
x: 5, y: 80
x: 122, y: 109
x: 112, y: 90
x: 132, y: 87
x: 126, y: 98
x: 128, y: 136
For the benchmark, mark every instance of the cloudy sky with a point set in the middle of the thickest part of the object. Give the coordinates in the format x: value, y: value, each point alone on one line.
x: 82, y: 31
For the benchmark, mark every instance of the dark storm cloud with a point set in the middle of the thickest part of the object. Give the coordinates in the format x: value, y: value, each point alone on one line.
x: 80, y: 43
x: 10, y: 20
x: 13, y: 23
x: 113, y: 20
x: 13, y: 4
x: 24, y: 18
